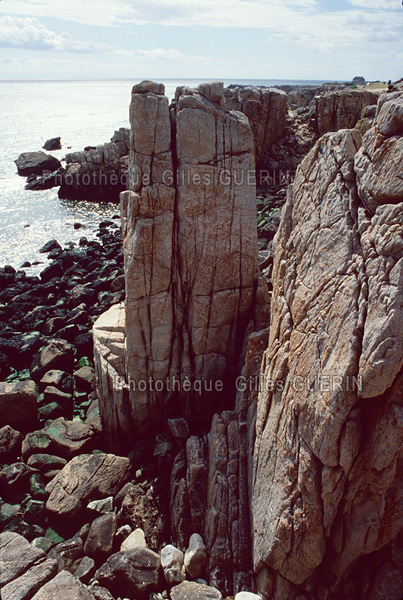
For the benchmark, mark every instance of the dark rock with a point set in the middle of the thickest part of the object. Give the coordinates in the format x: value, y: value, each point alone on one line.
x: 85, y: 379
x: 58, y: 379
x: 141, y: 510
x: 52, y: 144
x: 34, y: 511
x: 66, y: 553
x: 18, y: 405
x: 35, y: 163
x: 47, y: 181
x: 14, y: 480
x: 63, y: 399
x: 51, y: 245
x: 85, y: 569
x: 134, y: 573
x: 58, y: 354
x: 52, y: 271
x: 10, y: 443
x: 101, y: 536
x: 52, y: 410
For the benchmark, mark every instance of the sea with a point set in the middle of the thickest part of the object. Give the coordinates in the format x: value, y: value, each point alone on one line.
x: 82, y: 113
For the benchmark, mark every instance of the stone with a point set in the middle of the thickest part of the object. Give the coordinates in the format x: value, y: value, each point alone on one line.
x: 99, y: 542
x: 84, y: 477
x: 141, y: 510
x: 195, y: 556
x: 10, y: 443
x: 58, y: 354
x: 101, y: 506
x: 206, y: 218
x: 63, y: 399
x: 16, y: 557
x: 134, y: 573
x: 7, y: 512
x: 35, y: 163
x: 135, y: 539
x: 179, y: 428
x: 26, y: 585
x: 50, y: 411
x: 64, y: 585
x: 172, y: 564
x: 42, y: 543
x: 85, y: 379
x: 62, y: 438
x: 100, y: 593
x: 46, y: 462
x: 14, y: 480
x: 329, y: 416
x: 194, y: 591
x: 67, y: 553
x: 53, y: 144
x: 85, y: 569
x: 341, y: 109
x: 34, y: 511
x: 266, y: 109
x: 247, y: 596
x: 18, y: 405
x: 146, y: 87
x: 49, y: 246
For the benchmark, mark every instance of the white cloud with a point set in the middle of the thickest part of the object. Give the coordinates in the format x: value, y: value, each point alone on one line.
x: 377, y: 4
x: 31, y: 34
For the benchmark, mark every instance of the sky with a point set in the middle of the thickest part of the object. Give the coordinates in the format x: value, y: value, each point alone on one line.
x: 210, y: 39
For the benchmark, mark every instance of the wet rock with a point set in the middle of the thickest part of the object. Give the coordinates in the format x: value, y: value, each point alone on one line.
x: 35, y: 163
x: 52, y: 144
x: 86, y: 476
x: 49, y: 246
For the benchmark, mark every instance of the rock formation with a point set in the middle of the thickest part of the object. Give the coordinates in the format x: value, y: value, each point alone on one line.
x: 327, y: 479
x: 98, y: 173
x: 266, y: 109
x: 190, y: 244
x: 341, y: 109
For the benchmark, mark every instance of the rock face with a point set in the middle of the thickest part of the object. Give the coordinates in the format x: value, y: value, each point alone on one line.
x: 327, y: 477
x: 190, y: 244
x: 341, y: 109
x: 266, y: 109
x: 98, y: 173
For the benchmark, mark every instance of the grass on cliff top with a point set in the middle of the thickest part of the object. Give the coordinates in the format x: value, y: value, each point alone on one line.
x: 377, y: 85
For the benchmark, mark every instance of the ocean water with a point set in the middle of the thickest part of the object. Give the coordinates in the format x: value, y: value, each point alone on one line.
x: 83, y: 113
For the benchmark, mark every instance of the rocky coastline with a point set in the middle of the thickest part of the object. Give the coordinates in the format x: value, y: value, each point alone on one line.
x: 108, y: 492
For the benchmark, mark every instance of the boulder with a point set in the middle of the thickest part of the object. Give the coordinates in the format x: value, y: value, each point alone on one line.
x: 64, y: 585
x: 18, y: 405
x: 99, y: 542
x: 67, y: 553
x: 195, y: 591
x: 172, y: 564
x: 195, y: 556
x: 85, y: 379
x: 59, y: 379
x: 30, y: 582
x: 57, y: 355
x: 52, y: 144
x: 35, y: 163
x: 14, y: 480
x: 16, y: 557
x: 135, y: 539
x: 84, y: 478
x: 10, y: 443
x: 134, y: 573
x: 63, y: 438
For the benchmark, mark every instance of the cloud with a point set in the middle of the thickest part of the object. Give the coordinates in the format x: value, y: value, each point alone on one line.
x: 31, y: 34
